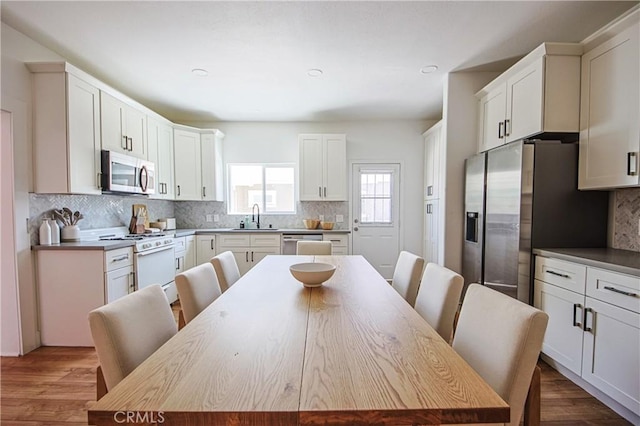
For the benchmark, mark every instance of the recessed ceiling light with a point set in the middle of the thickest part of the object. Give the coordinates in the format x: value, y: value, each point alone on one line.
x: 428, y: 69
x: 314, y: 72
x: 200, y: 72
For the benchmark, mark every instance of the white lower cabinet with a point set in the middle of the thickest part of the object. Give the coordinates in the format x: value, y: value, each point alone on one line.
x: 563, y: 339
x: 205, y: 248
x: 72, y: 283
x: 248, y: 249
x: 119, y: 283
x: 185, y: 253
x: 339, y: 243
x: 611, y: 352
x: 594, y: 326
x: 431, y: 247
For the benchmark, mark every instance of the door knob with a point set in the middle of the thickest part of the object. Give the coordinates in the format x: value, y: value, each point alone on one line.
x: 355, y: 229
x: 355, y: 220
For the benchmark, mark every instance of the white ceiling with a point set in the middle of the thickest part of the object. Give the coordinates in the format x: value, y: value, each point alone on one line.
x: 258, y: 53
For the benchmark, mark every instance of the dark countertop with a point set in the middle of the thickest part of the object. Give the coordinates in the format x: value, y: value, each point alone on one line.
x: 87, y: 245
x: 623, y: 261
x: 186, y: 232
x: 116, y: 244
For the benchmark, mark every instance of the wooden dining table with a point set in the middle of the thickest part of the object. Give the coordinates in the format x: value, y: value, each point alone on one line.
x: 272, y: 352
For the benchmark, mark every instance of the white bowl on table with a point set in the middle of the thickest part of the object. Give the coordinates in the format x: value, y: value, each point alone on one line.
x: 312, y: 274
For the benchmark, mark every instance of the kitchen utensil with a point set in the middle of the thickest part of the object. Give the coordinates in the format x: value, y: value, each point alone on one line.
x: 312, y: 274
x: 76, y: 218
x: 59, y: 215
x: 327, y: 225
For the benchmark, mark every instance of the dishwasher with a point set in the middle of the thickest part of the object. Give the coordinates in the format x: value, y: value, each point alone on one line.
x: 290, y: 241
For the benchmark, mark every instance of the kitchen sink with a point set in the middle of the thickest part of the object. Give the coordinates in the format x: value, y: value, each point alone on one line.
x: 254, y: 229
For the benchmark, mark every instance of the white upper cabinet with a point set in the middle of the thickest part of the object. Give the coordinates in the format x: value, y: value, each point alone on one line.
x: 540, y: 93
x: 66, y: 133
x: 610, y: 113
x: 433, y: 147
x: 493, y: 110
x: 198, y: 164
x: 186, y: 154
x: 211, y: 164
x: 323, y: 167
x: 122, y: 127
x: 160, y: 144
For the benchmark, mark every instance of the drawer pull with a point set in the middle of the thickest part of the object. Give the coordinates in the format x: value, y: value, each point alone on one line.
x: 626, y: 293
x: 632, y: 168
x: 575, y: 309
x: 558, y: 274
x: 118, y: 259
x: 586, y: 312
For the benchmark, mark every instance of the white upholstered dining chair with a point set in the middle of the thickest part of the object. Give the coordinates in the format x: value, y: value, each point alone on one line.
x: 197, y: 287
x: 438, y: 298
x: 406, y: 276
x: 501, y: 338
x: 127, y: 331
x: 226, y: 269
x: 313, y: 247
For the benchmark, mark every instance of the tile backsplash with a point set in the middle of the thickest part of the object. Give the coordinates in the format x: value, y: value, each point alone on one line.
x: 104, y: 211
x: 99, y: 211
x: 626, y: 217
x: 192, y: 214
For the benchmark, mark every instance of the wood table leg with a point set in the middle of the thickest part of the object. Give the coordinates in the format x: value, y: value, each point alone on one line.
x: 181, y: 321
x: 532, y: 404
x: 101, y: 385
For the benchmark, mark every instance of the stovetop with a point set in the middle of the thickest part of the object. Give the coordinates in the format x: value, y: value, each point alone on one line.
x: 143, y: 242
x: 134, y: 237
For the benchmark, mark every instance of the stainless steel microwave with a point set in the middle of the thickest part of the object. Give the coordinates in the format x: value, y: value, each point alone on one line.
x: 126, y: 174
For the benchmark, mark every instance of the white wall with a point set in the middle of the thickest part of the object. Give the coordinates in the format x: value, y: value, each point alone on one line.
x: 391, y: 141
x: 16, y: 98
x: 10, y: 344
x: 460, y: 132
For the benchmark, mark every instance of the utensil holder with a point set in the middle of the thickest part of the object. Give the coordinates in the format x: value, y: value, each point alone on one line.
x: 70, y: 233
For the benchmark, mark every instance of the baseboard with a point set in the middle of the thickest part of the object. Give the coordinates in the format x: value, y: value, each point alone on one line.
x: 593, y: 391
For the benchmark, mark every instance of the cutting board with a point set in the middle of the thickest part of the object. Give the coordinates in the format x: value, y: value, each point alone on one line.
x: 140, y: 211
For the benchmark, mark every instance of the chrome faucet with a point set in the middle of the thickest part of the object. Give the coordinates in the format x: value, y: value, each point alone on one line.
x: 253, y: 216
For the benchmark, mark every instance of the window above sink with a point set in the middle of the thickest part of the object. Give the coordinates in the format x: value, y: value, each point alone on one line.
x: 271, y: 186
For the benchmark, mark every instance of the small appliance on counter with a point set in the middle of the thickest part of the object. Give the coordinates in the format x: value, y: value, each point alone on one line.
x: 170, y: 223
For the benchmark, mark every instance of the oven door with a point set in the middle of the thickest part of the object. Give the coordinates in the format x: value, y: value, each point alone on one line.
x: 154, y: 266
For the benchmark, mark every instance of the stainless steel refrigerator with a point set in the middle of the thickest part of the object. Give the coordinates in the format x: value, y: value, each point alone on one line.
x: 521, y: 196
